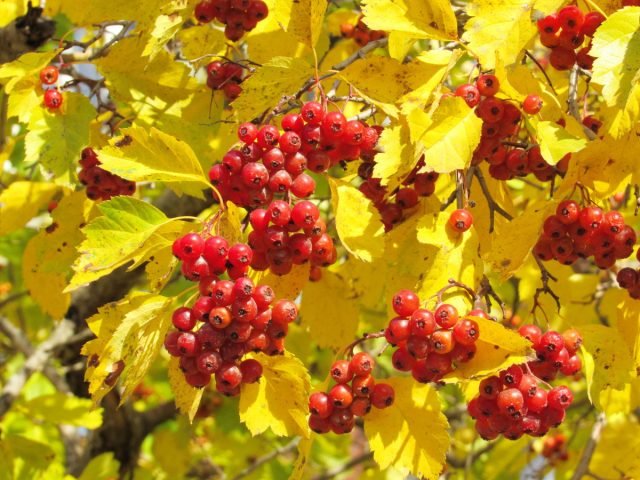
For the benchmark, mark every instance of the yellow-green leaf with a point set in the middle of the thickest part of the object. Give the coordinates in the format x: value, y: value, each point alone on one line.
x: 278, y: 401
x: 411, y: 434
x: 616, y: 454
x: 303, y: 19
x: 26, y: 65
x: 450, y: 140
x: 60, y: 408
x: 416, y: 18
x: 130, y: 334
x: 331, y: 324
x: 265, y: 88
x: 20, y: 202
x: 102, y: 467
x: 616, y: 48
x: 555, y: 142
x: 187, y: 398
x: 153, y: 156
x: 55, y: 139
x: 397, y: 157
x: 357, y: 221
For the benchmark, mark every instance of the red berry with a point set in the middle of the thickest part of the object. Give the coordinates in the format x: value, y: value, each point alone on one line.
x: 531, y: 333
x: 488, y: 85
x: 549, y: 24
x: 247, y: 132
x: 422, y: 323
x: 205, y: 11
x: 568, y: 212
x: 251, y: 370
x: 490, y: 387
x: 320, y: 405
x: 442, y: 341
x: 562, y: 58
x: 571, y: 18
x: 446, y: 315
x: 312, y: 113
x: 183, y: 319
x: 461, y: 220
x: 405, y: 302
x: 49, y: 75
x: 510, y: 401
x: 592, y: 21
x: 362, y: 364
x: 532, y: 104
x: 362, y: 385
x: 469, y: 93
x: 559, y: 398
x: 52, y: 99
x: 382, y: 396
x: 340, y: 396
x: 208, y: 362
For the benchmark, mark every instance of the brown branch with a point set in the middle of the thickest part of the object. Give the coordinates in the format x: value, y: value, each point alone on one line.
x: 583, y: 465
x: 348, y: 350
x: 545, y: 276
x: 541, y: 68
x: 493, y: 205
x: 572, y: 101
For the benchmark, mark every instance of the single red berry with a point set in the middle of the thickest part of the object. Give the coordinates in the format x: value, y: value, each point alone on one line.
x: 532, y: 104
x: 627, y: 278
x: 362, y: 363
x: 572, y: 340
x: 568, y: 212
x: 469, y: 93
x: 512, y: 376
x: 442, y: 341
x: 510, y: 401
x: 52, y: 99
x: 320, y: 405
x: 340, y: 396
x: 229, y: 375
x: 183, y: 319
x: 382, y: 396
x: 251, y: 370
x: 562, y: 58
x: 341, y: 371
x: 247, y: 132
x: 559, y: 397
x: 488, y: 85
x: 446, y: 315
x: 531, y: 333
x: 362, y: 385
x: 422, y: 323
x: 405, y: 302
x: 319, y: 425
x: 592, y: 20
x: 549, y: 24
x: 49, y: 75
x: 571, y: 18
x: 205, y: 11
x: 398, y: 330
x: 208, y: 362
x: 537, y: 402
x: 312, y: 113
x: 490, y: 387
x: 461, y: 220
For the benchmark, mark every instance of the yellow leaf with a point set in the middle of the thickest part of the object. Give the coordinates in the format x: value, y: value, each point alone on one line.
x: 607, y: 361
x: 96, y: 12
x: 492, y: 23
x: 126, y: 231
x: 265, y: 88
x: 10, y: 10
x: 397, y: 157
x: 25, y: 99
x: 55, y: 139
x: 25, y: 66
x: 286, y: 286
x: 497, y: 349
x: 555, y: 142
x: 302, y: 19
x: 450, y: 140
x: 48, y: 256
x: 411, y: 434
x: 331, y: 324
x: 616, y: 454
x: 21, y: 201
x: 187, y: 398
x: 357, y: 221
x: 101, y: 467
x: 420, y: 19
x: 60, y: 408
x: 130, y: 331
x: 152, y: 155
x: 278, y: 401
x: 616, y: 48
x: 202, y: 40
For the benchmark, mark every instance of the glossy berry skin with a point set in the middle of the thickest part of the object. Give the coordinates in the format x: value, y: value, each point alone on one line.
x: 592, y: 20
x: 422, y: 323
x: 571, y: 19
x: 461, y: 220
x: 340, y: 396
x: 382, y: 396
x: 320, y: 405
x: 550, y: 343
x: 469, y: 93
x: 405, y: 302
x: 531, y: 333
x: 183, y: 319
x: 532, y: 104
x: 341, y: 371
x: 488, y: 85
x: 362, y: 364
x: 52, y: 99
x: 49, y: 75
x: 572, y: 340
x: 251, y: 370
x: 568, y: 212
x: 510, y: 401
x: 446, y: 315
x: 559, y: 397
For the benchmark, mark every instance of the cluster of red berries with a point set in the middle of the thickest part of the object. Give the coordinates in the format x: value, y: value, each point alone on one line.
x: 226, y: 76
x: 101, y: 185
x: 564, y: 33
x: 353, y: 395
x: 501, y: 123
x: 575, y: 232
x: 271, y: 162
x: 554, y: 448
x: 395, y: 207
x: 514, y: 403
x: 236, y: 316
x: 629, y: 279
x: 238, y: 16
x: 360, y: 33
x: 52, y: 96
x: 430, y: 344
x: 283, y: 236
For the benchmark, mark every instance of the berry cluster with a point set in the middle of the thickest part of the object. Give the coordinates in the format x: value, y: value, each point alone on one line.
x: 394, y: 208
x: 101, y: 185
x: 271, y: 162
x: 501, y: 123
x: 514, y: 403
x: 52, y: 96
x: 236, y: 316
x: 226, y: 76
x: 554, y: 448
x: 575, y: 232
x: 629, y: 279
x: 360, y: 33
x: 353, y: 395
x: 283, y: 236
x: 564, y: 33
x: 238, y: 16
x: 430, y: 344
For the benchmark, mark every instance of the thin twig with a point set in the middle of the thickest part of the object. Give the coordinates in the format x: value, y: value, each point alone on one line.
x: 545, y: 276
x: 541, y: 68
x: 572, y: 101
x: 289, y: 447
x: 583, y: 465
x: 12, y: 298
x: 493, y: 206
x: 334, y: 472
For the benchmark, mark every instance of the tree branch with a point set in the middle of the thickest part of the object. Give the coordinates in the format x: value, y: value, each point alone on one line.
x: 334, y: 472
x: 289, y: 447
x: 572, y: 101
x: 583, y: 465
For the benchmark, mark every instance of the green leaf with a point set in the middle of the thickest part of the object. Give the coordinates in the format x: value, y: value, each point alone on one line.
x: 411, y: 434
x: 21, y: 201
x: 55, y: 139
x: 278, y: 401
x: 357, y: 221
x: 128, y: 230
x: 555, y: 142
x: 616, y: 48
x: 143, y: 155
x: 130, y: 331
x: 60, y: 408
x: 25, y: 66
x: 262, y: 91
x: 102, y: 467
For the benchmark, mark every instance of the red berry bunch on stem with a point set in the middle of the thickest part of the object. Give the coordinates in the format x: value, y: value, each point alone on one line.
x: 52, y: 96
x: 101, y: 185
x: 515, y: 402
x: 361, y: 33
x: 229, y: 318
x: 580, y: 232
x: 564, y: 33
x: 629, y: 279
x: 554, y: 448
x: 226, y: 76
x: 284, y: 236
x: 397, y: 205
x: 430, y: 344
x: 272, y: 163
x: 353, y: 395
x: 238, y: 16
x: 500, y: 144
